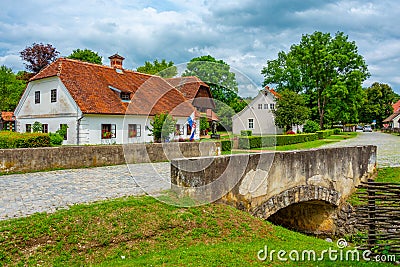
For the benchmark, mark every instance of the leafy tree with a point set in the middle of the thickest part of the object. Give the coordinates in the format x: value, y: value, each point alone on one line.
x: 38, y: 56
x: 378, y: 103
x: 204, y: 125
x: 163, y: 125
x: 225, y: 114
x: 164, y: 69
x: 11, y: 89
x: 311, y: 126
x: 24, y: 76
x: 327, y: 69
x: 37, y: 127
x: 217, y: 74
x: 86, y: 55
x: 290, y: 110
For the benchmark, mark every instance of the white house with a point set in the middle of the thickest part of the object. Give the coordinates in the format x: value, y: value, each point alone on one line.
x: 258, y: 116
x: 100, y: 104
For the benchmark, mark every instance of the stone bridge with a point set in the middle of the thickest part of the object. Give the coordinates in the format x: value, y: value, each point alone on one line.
x: 304, y: 190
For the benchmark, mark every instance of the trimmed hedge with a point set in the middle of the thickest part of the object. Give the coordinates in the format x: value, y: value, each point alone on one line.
x: 23, y: 140
x: 325, y: 133
x: 226, y: 145
x: 274, y: 140
x: 246, y: 133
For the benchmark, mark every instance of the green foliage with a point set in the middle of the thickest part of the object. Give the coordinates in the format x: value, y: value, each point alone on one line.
x: 226, y: 145
x: 86, y: 55
x: 225, y: 114
x: 246, y: 133
x: 327, y: 69
x: 325, y: 133
x: 22, y: 140
x: 38, y: 56
x: 63, y: 130
x: 311, y: 127
x: 56, y: 139
x: 378, y: 103
x: 163, y: 125
x: 290, y: 110
x: 336, y: 131
x: 204, y: 124
x: 11, y: 89
x: 37, y: 127
x: 274, y: 140
x: 217, y: 74
x: 164, y: 69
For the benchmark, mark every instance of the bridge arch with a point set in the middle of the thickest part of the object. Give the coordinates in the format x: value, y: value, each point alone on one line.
x: 306, y: 208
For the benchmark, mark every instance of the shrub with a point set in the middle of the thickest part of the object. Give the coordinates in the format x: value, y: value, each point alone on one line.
x: 226, y: 145
x: 324, y: 134
x: 249, y: 142
x: 272, y: 140
x: 311, y: 127
x: 22, y: 140
x: 56, y: 139
x: 336, y: 131
x: 246, y: 133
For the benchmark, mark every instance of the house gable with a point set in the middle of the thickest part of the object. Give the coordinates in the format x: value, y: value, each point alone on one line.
x: 46, y: 98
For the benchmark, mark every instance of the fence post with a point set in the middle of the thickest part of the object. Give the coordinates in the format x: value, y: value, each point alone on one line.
x: 371, y: 215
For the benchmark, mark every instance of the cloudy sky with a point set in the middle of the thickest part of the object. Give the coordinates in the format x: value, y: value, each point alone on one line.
x: 244, y: 33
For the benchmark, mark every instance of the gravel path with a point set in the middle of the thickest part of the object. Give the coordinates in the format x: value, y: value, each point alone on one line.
x: 388, y: 146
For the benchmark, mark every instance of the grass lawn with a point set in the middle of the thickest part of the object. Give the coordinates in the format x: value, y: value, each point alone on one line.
x: 140, y: 231
x: 306, y: 145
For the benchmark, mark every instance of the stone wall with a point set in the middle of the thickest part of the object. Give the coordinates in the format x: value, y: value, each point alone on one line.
x: 265, y: 183
x: 38, y: 159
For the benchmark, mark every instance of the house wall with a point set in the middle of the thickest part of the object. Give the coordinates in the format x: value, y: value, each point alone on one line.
x: 91, y: 125
x: 86, y: 127
x: 396, y: 122
x: 63, y: 111
x: 263, y: 119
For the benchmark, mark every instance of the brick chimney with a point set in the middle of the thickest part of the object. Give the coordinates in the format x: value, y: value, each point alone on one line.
x: 116, y: 61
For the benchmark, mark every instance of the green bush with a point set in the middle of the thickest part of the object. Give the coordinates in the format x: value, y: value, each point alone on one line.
x: 249, y: 142
x: 336, y: 131
x: 246, y: 133
x: 311, y: 127
x: 272, y: 140
x: 56, y: 139
x: 22, y: 140
x: 324, y: 134
x: 226, y: 145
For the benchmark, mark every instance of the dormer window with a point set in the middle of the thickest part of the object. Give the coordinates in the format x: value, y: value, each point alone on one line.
x: 125, y: 96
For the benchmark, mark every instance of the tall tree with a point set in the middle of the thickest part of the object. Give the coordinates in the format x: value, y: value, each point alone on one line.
x: 164, y: 69
x: 86, y: 55
x: 379, y: 98
x: 11, y: 89
x: 217, y: 74
x: 290, y: 110
x: 38, y: 56
x: 328, y: 69
x: 163, y: 125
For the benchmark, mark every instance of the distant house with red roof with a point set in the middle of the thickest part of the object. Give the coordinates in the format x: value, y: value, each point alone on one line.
x: 99, y: 104
x: 7, y: 121
x: 258, y: 116
x: 393, y: 121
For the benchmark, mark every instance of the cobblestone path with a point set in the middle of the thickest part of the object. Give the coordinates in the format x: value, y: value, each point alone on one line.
x: 388, y: 154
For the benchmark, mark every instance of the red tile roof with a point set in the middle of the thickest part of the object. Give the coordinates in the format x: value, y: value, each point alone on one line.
x: 7, y: 116
x: 396, y: 106
x: 272, y: 91
x: 189, y: 86
x: 89, y: 85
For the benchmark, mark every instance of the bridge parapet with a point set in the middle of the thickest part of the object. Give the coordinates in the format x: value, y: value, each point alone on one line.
x: 264, y: 183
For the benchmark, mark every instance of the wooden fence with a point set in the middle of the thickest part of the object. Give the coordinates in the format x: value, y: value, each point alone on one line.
x: 379, y: 215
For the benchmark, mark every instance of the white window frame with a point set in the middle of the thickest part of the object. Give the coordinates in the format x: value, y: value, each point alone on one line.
x: 250, y: 121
